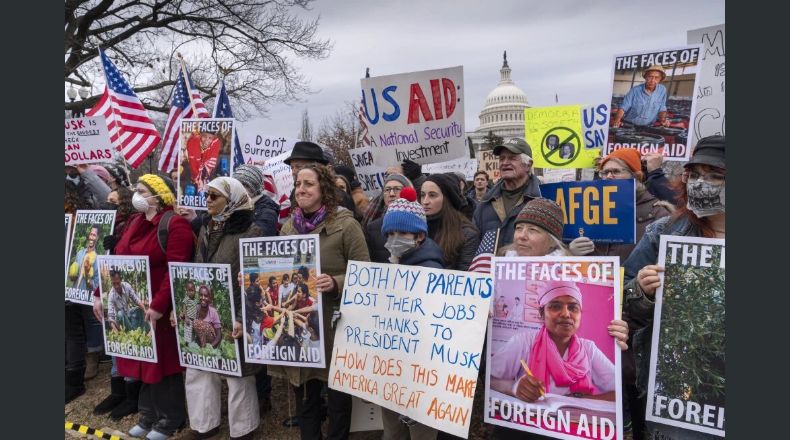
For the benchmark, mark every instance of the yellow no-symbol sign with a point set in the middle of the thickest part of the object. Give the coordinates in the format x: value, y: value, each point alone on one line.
x: 556, y: 137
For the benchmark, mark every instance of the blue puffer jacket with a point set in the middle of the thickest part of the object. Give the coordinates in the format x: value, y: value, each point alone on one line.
x: 486, y: 217
x: 266, y: 215
x: 428, y: 254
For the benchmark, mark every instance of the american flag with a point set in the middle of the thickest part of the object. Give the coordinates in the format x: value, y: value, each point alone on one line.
x: 482, y: 261
x: 131, y: 130
x: 222, y: 110
x: 270, y: 189
x: 182, y: 108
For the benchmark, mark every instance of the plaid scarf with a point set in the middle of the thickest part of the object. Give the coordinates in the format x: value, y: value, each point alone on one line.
x: 376, y: 209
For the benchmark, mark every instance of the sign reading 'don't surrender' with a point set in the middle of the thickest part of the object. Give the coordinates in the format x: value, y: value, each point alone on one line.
x: 416, y: 115
x: 410, y: 340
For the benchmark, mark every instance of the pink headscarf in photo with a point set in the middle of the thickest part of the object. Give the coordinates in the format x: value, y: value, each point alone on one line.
x: 545, y: 360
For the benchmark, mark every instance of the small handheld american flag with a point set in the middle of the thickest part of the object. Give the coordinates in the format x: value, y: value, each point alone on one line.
x: 487, y: 249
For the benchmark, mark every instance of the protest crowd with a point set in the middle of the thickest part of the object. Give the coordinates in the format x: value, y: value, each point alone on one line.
x: 441, y: 221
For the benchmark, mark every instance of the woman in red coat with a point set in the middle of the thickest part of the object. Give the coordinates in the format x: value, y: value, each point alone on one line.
x: 161, y: 403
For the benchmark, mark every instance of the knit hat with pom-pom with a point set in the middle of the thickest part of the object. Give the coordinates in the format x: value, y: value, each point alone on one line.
x: 405, y: 214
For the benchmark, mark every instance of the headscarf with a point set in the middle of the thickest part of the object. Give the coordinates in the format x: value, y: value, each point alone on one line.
x: 235, y: 194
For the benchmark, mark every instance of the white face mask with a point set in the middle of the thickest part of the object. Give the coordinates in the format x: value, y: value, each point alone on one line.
x: 705, y: 199
x: 140, y: 203
x: 397, y: 246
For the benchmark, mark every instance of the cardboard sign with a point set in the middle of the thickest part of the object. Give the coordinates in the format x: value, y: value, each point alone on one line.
x: 486, y: 161
x: 369, y: 173
x: 258, y: 144
x: 87, y: 141
x: 603, y: 210
x: 673, y: 99
x: 556, y: 137
x: 410, y: 340
x: 204, y: 155
x: 686, y: 385
x: 126, y: 294
x: 709, y: 111
x: 521, y: 348
x: 416, y: 115
x: 202, y: 296
x: 463, y: 165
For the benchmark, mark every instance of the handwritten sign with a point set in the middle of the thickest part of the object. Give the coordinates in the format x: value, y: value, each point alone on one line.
x: 596, y: 125
x: 673, y: 96
x: 410, y: 340
x: 416, y: 115
x: 87, y: 141
x: 489, y: 163
x: 259, y: 144
x: 281, y: 173
x: 369, y: 173
x: 709, y: 113
x: 462, y: 165
x: 556, y: 137
x: 603, y: 210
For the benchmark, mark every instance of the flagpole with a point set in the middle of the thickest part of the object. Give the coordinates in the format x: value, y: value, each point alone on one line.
x: 187, y: 83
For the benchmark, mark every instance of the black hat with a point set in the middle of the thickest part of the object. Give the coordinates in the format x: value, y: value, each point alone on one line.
x: 307, y: 151
x: 709, y: 151
x: 346, y: 172
x: 515, y: 146
x: 450, y: 190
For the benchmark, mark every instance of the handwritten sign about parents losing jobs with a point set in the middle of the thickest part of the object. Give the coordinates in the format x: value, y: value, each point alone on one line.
x: 416, y: 115
x: 410, y: 340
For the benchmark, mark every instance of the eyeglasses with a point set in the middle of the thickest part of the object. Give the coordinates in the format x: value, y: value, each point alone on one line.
x: 393, y: 189
x: 213, y: 196
x: 614, y: 172
x: 712, y: 178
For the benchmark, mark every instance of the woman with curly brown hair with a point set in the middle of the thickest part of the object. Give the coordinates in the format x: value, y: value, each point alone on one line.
x: 340, y: 239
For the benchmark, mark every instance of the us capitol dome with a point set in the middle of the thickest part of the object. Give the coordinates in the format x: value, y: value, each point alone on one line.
x: 503, y: 113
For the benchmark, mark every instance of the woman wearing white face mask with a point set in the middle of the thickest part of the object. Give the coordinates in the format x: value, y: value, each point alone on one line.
x: 700, y: 213
x: 161, y: 396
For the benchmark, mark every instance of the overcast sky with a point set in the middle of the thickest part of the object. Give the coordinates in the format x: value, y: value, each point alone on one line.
x: 562, y: 46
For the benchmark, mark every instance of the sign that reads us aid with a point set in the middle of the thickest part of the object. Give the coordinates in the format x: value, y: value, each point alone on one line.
x: 603, y: 210
x: 557, y: 138
x: 416, y: 115
x: 410, y: 340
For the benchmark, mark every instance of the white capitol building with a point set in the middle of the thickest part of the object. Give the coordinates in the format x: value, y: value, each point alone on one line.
x: 503, y: 113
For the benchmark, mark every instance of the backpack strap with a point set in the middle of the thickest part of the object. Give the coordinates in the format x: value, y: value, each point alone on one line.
x: 163, y: 229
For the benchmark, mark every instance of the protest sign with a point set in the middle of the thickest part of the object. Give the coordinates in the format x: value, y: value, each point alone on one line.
x: 203, y: 308
x: 365, y: 416
x: 370, y: 174
x: 410, y: 339
x: 87, y: 141
x: 603, y: 210
x: 521, y: 348
x: 673, y: 99
x: 259, y: 144
x: 556, y: 137
x: 416, y: 115
x: 204, y: 154
x: 709, y: 112
x: 281, y: 173
x: 686, y: 385
x: 281, y: 307
x: 82, y: 275
x: 66, y: 250
x: 463, y: 165
x: 556, y: 175
x: 595, y: 120
x: 489, y: 163
x: 125, y: 289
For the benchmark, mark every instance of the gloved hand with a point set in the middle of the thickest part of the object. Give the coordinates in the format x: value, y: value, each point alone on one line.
x: 411, y: 169
x: 109, y: 242
x: 581, y: 246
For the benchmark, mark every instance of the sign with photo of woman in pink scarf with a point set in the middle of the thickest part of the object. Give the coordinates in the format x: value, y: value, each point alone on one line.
x: 554, y: 370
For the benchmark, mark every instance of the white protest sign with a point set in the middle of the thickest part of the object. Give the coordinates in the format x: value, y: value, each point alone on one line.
x: 87, y: 141
x: 410, y: 340
x: 595, y: 122
x: 709, y: 115
x: 258, y: 144
x: 369, y: 174
x: 463, y: 165
x: 281, y: 173
x: 416, y: 115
